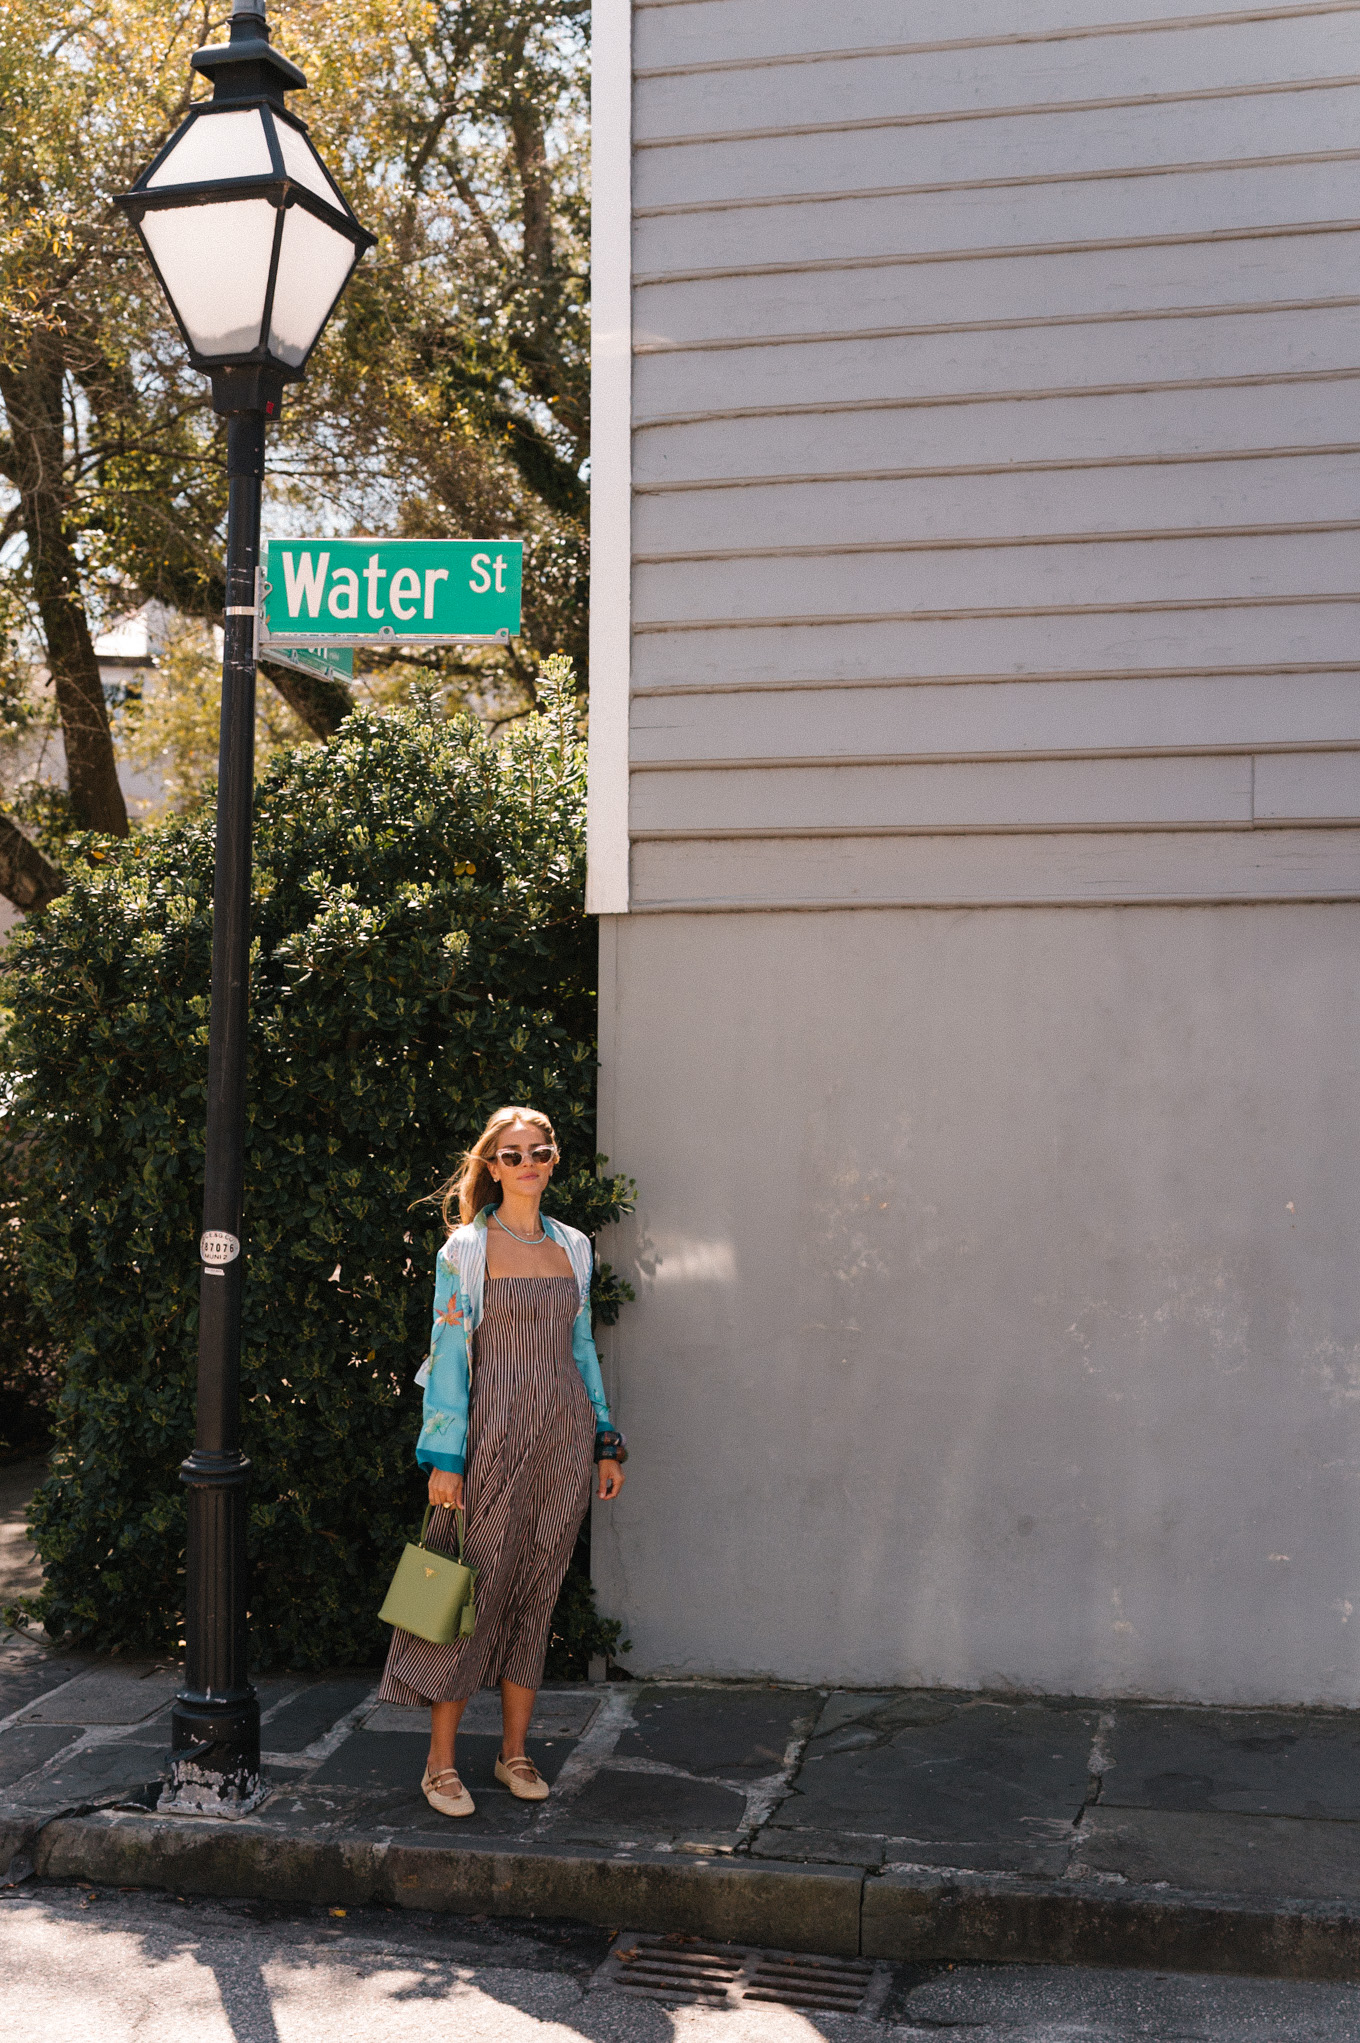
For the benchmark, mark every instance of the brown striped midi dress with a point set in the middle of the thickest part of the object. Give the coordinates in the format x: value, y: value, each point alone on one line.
x: 531, y: 1445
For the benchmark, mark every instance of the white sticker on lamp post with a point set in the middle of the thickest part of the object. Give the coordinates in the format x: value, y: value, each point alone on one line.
x: 363, y: 592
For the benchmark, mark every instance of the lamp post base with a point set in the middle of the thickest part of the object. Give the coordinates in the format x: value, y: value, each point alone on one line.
x: 215, y: 1724
x: 214, y: 1757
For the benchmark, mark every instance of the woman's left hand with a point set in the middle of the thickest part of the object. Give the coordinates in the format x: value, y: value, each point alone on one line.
x: 611, y: 1480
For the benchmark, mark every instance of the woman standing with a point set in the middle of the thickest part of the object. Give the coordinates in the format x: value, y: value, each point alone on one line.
x: 512, y: 1326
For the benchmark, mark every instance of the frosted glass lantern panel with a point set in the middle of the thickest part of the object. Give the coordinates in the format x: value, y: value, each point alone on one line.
x: 303, y: 165
x: 215, y: 262
x: 314, y: 262
x: 217, y: 146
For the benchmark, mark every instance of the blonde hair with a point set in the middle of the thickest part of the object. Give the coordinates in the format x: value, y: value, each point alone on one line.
x: 472, y: 1186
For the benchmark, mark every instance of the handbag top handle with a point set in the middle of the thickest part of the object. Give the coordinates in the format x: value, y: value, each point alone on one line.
x: 425, y: 1526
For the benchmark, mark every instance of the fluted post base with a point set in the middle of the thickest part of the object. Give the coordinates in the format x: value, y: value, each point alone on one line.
x: 215, y: 1735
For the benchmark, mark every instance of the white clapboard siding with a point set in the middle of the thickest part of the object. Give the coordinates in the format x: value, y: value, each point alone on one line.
x: 1196, y: 712
x: 1315, y: 787
x: 996, y: 441
x: 979, y: 795
x: 1100, y: 211
x: 1156, y: 639
x: 1131, y: 351
x: 670, y: 33
x: 1163, y: 495
x: 1128, y: 141
x: 1088, y: 283
x: 1098, y: 425
x: 950, y: 80
x: 1050, y: 794
x: 998, y: 867
x: 982, y: 576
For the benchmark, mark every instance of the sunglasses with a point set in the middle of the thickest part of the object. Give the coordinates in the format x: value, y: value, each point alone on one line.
x: 513, y: 1158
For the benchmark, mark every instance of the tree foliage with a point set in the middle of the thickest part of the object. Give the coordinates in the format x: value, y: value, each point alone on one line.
x: 172, y: 732
x: 420, y: 957
x: 449, y: 396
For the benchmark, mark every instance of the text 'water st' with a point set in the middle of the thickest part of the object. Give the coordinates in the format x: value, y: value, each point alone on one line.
x: 368, y: 591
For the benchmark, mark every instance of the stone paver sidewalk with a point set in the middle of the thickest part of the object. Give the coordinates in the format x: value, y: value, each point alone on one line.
x: 912, y: 1824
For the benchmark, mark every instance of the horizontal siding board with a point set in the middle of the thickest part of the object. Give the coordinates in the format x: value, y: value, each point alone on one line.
x: 1132, y: 424
x: 1300, y: 488
x: 757, y: 30
x: 979, y: 795
x: 1153, y: 641
x: 1068, y: 867
x: 1087, y: 284
x: 1238, y: 711
x: 1163, y: 571
x: 1002, y: 75
x: 1309, y: 787
x: 1069, y: 143
x: 1030, y: 358
x: 830, y: 229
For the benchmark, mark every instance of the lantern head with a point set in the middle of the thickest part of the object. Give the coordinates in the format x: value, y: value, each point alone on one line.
x: 250, y: 237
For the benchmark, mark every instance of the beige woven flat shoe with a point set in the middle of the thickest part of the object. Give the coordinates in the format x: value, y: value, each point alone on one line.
x: 446, y: 1793
x: 522, y: 1778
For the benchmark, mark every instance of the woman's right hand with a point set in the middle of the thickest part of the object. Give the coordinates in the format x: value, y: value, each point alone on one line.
x: 446, y: 1489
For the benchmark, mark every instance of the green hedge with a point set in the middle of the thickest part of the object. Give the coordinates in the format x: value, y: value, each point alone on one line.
x: 420, y: 957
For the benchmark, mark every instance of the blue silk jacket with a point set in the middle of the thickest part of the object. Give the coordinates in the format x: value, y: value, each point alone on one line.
x: 446, y: 1374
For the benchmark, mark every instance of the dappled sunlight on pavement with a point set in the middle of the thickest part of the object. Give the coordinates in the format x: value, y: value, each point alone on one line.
x: 137, y: 1966
x: 144, y: 1968
x: 20, y: 1568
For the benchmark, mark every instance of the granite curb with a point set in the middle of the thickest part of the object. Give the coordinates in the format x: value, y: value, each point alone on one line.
x: 916, y: 1915
x: 925, y: 1916
x: 803, y: 1908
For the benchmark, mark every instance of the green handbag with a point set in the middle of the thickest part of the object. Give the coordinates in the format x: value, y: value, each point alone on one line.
x: 433, y: 1595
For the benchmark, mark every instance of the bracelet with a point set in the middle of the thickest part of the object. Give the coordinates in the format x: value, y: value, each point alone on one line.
x: 610, y: 1445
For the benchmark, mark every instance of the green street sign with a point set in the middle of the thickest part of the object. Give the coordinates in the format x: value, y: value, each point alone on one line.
x: 335, y: 661
x: 372, y: 592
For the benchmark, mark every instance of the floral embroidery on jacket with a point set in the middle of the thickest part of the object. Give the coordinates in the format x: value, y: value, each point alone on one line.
x: 450, y: 1316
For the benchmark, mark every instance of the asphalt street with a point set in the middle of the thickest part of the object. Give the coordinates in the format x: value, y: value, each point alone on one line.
x: 118, y: 1966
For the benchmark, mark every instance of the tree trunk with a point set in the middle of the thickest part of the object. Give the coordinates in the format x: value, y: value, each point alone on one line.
x: 535, y: 179
x: 32, y: 391
x: 27, y: 879
x: 321, y: 702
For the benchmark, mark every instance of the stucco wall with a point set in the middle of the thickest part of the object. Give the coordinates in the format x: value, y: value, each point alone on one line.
x: 999, y: 1304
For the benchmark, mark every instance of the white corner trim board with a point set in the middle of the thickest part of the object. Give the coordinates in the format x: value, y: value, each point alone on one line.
x: 611, y: 406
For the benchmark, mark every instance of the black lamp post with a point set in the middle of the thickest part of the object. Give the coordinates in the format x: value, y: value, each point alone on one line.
x: 252, y: 243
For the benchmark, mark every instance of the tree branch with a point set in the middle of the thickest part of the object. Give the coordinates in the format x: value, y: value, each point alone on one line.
x: 474, y: 206
x: 321, y: 702
x: 531, y: 160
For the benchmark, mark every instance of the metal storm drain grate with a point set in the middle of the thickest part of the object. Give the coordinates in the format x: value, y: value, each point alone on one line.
x: 685, y: 1968
x: 836, y: 1984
